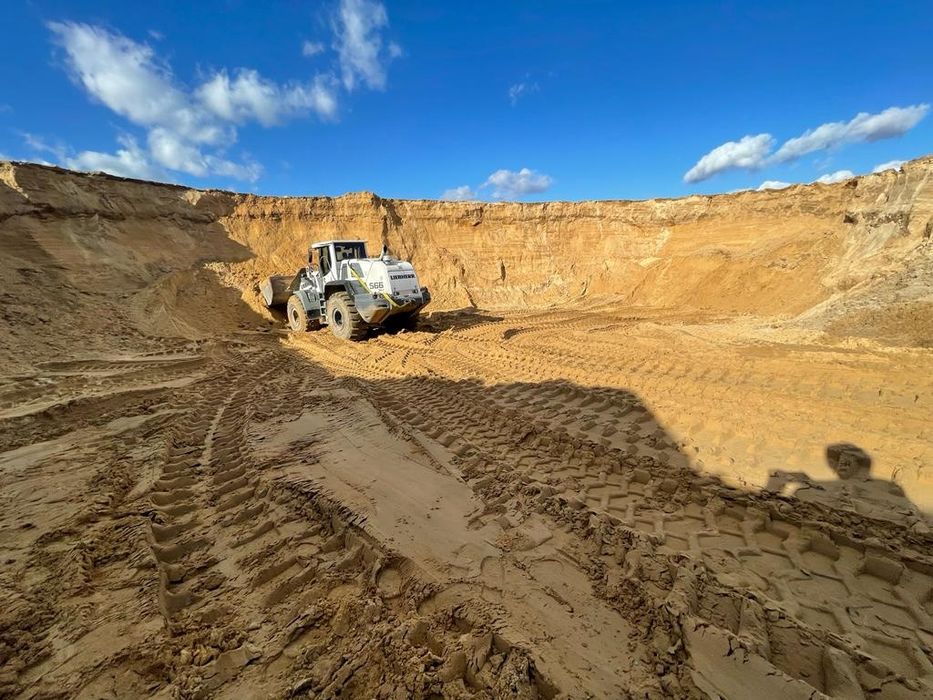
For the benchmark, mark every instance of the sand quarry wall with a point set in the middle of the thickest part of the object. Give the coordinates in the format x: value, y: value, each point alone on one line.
x: 825, y: 254
x: 764, y: 253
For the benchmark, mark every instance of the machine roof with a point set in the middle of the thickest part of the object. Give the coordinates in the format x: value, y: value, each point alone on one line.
x: 321, y: 244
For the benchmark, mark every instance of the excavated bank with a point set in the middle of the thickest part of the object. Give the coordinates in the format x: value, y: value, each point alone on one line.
x: 671, y: 448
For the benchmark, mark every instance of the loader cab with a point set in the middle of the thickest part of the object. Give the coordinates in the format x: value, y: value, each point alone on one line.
x: 326, y: 256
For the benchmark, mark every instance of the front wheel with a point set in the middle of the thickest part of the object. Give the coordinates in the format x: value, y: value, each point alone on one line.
x: 297, y: 316
x: 344, y: 320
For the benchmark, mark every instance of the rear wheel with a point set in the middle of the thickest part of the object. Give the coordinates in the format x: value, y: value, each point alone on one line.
x: 297, y: 316
x: 344, y: 320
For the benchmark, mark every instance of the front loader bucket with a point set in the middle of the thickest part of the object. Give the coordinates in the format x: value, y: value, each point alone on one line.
x: 277, y: 289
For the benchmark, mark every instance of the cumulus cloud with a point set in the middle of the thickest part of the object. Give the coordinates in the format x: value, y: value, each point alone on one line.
x: 503, y: 184
x: 773, y: 185
x: 519, y: 90
x: 511, y: 184
x: 459, y: 194
x: 177, y: 154
x: 41, y: 145
x: 250, y: 97
x: 361, y: 50
x: 837, y: 176
x: 312, y: 48
x: 748, y: 152
x: 892, y: 122
x: 128, y: 161
x: 190, y: 129
x: 128, y: 78
x: 754, y: 152
x: 890, y: 165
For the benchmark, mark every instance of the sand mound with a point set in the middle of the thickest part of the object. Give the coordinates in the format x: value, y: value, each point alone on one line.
x: 675, y: 448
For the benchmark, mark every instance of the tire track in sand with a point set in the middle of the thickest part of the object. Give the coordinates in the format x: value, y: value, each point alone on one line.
x: 794, y: 576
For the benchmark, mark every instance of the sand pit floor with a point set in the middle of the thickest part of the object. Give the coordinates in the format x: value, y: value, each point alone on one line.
x: 534, y: 505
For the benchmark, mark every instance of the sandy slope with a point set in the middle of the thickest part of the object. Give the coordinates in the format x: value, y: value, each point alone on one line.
x: 626, y: 495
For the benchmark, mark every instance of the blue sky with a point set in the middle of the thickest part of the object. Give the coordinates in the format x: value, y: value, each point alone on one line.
x: 487, y: 100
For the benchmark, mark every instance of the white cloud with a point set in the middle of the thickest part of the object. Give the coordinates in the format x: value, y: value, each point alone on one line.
x: 176, y: 153
x: 128, y: 78
x: 188, y: 130
x: 773, y: 185
x: 509, y: 184
x: 505, y: 184
x: 39, y: 144
x: 519, y: 90
x: 894, y: 121
x: 249, y: 96
x: 129, y: 161
x: 837, y: 176
x: 754, y: 152
x: 360, y: 47
x: 459, y: 194
x: 248, y: 171
x: 312, y: 48
x: 890, y: 165
x: 749, y: 152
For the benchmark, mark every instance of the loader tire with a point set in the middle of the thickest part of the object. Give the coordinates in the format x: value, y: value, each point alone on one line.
x: 344, y: 320
x: 297, y: 316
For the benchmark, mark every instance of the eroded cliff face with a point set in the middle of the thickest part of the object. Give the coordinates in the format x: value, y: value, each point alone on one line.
x: 765, y: 253
x: 854, y: 257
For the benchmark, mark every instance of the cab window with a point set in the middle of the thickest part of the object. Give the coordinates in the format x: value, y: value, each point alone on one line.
x: 349, y: 251
x: 323, y: 261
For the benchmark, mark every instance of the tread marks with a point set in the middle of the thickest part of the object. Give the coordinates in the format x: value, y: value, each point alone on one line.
x: 762, y: 554
x: 608, y: 456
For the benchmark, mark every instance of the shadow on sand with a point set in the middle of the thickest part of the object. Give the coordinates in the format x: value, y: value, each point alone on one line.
x: 600, y: 454
x: 854, y: 489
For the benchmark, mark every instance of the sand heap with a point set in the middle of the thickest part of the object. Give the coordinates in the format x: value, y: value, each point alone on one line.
x: 673, y: 448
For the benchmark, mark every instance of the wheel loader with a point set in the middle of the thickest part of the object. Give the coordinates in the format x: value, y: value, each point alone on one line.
x: 341, y: 287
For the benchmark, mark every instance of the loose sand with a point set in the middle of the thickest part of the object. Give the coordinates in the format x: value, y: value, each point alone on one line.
x: 625, y: 490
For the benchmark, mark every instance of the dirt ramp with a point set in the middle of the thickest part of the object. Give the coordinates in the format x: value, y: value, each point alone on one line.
x: 193, y: 303
x: 89, y: 261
